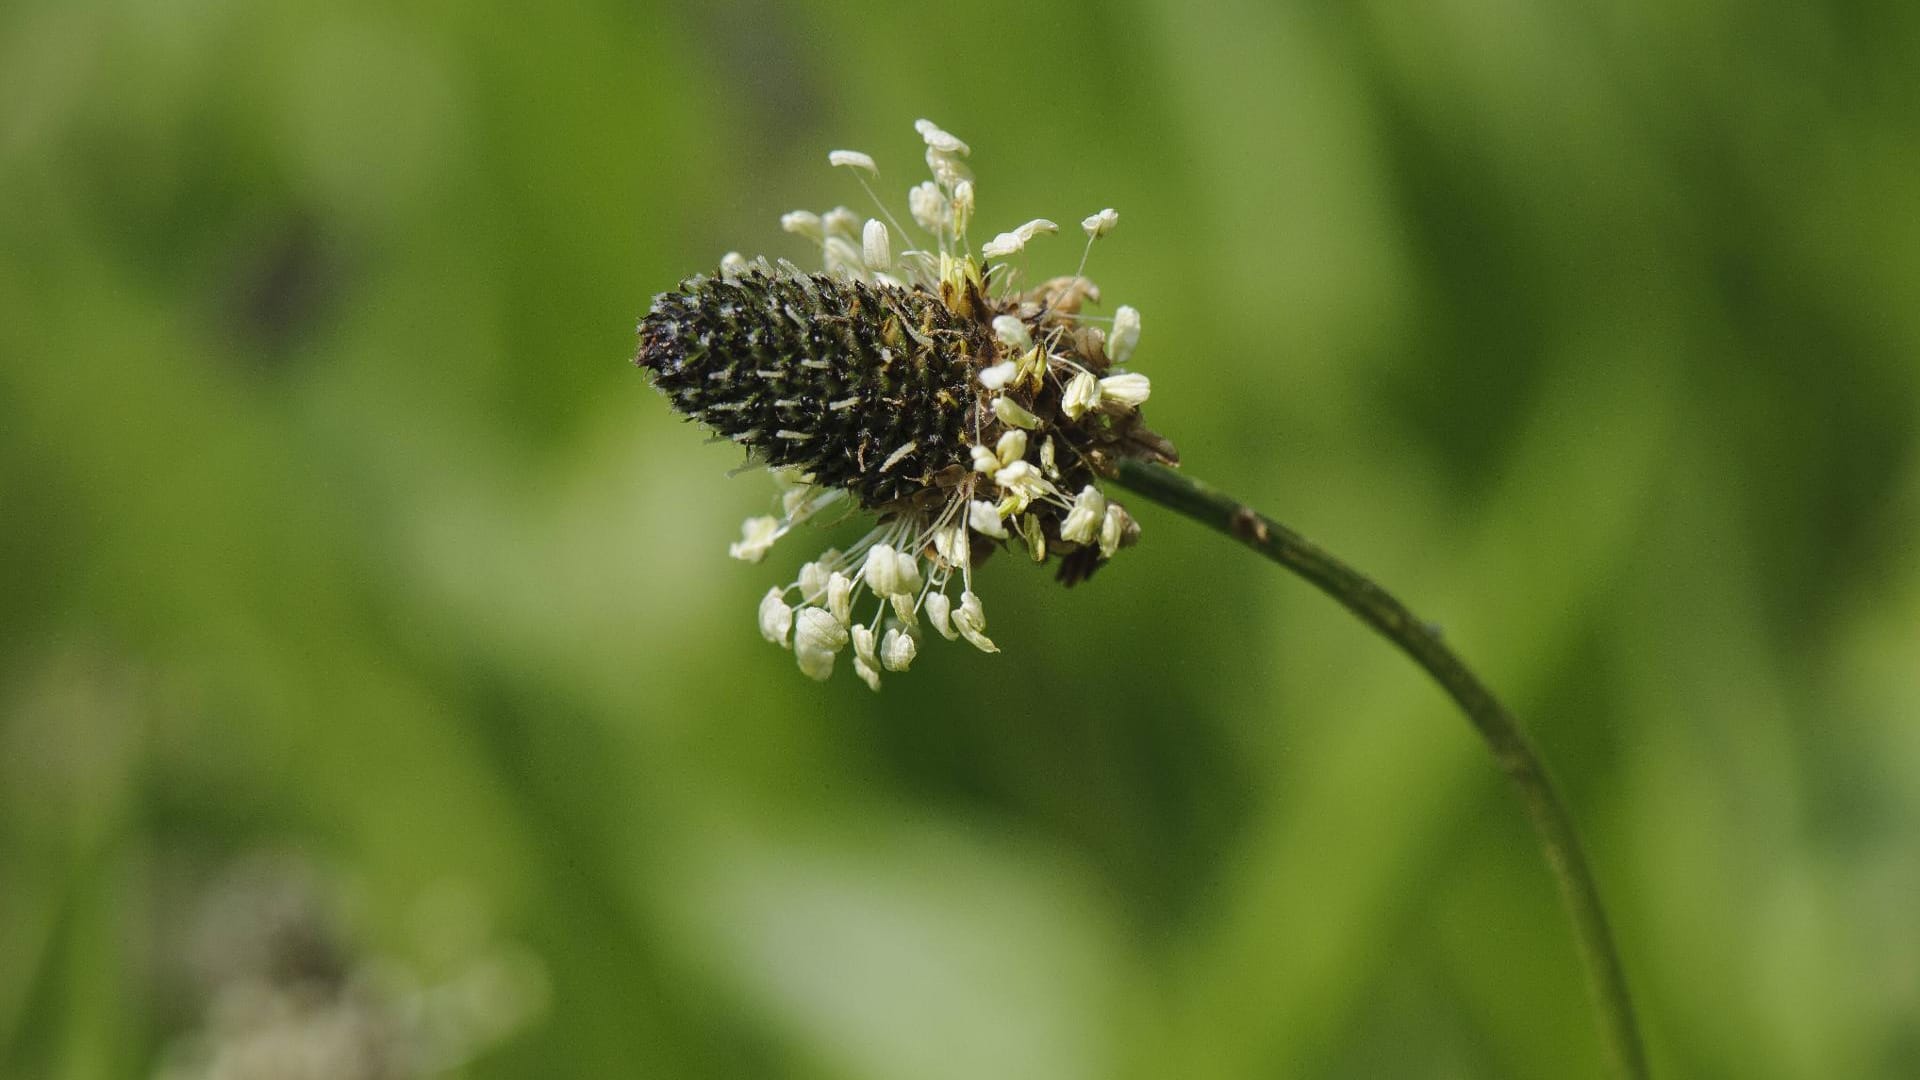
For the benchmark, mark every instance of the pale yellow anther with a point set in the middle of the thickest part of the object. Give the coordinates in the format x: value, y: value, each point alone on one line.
x: 1082, y: 393
x: 1011, y: 447
x: 1013, y: 413
x: 1035, y: 536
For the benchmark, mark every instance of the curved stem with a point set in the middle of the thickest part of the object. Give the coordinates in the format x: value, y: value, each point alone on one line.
x: 1510, y: 745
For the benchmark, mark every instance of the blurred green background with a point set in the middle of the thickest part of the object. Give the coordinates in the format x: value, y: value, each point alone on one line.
x: 340, y: 534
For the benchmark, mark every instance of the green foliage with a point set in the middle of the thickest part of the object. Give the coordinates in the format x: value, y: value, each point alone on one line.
x: 336, y: 521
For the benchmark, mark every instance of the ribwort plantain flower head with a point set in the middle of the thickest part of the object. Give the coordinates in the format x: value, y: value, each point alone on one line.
x: 918, y: 381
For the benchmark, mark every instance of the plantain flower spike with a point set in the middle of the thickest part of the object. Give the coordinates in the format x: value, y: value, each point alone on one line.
x: 915, y: 378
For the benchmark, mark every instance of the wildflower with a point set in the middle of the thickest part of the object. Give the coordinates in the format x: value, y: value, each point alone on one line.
x: 916, y: 379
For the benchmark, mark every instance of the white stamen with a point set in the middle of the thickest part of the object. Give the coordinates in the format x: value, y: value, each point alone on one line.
x: 1100, y: 224
x: 841, y: 222
x: 971, y: 621
x: 863, y: 645
x: 962, y: 205
x: 939, y: 608
x: 891, y: 573
x: 940, y: 140
x: 775, y: 616
x: 984, y: 461
x: 947, y: 169
x: 929, y: 207
x: 1012, y: 333
x: 1083, y: 522
x: 813, y: 577
x: 817, y: 637
x: 1035, y: 536
x: 952, y: 545
x: 1130, y: 390
x: 803, y: 223
x: 843, y: 258
x: 1113, y: 529
x: 732, y: 265
x: 757, y: 535
x: 907, y: 570
x: 840, y: 597
x: 1034, y: 228
x: 985, y: 520
x: 1011, y: 447
x: 999, y: 375
x: 797, y: 504
x: 1124, y: 335
x: 898, y: 455
x: 852, y: 159
x: 1023, y: 483
x: 1002, y: 245
x: 1082, y: 393
x: 874, y: 245
x: 903, y: 608
x: 897, y: 650
x: 878, y: 571
x: 867, y: 674
x: 1012, y: 243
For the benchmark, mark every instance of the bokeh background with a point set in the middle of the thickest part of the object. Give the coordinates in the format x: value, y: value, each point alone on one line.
x: 375, y: 687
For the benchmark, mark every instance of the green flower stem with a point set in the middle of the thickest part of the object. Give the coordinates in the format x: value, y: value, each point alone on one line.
x: 1511, y: 748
